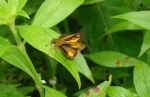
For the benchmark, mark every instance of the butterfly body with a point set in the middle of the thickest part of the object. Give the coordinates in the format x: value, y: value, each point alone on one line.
x: 69, y: 44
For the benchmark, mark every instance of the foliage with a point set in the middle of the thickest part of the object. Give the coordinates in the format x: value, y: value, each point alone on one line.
x: 115, y: 62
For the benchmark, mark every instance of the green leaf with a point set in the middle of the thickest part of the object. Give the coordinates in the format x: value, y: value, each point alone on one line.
x: 140, y: 18
x: 53, y: 11
x: 15, y: 57
x: 115, y: 91
x: 101, y: 73
x: 26, y: 90
x: 23, y: 13
x: 39, y: 37
x: 99, y: 91
x: 8, y: 11
x: 4, y: 12
x: 4, y: 45
x: 83, y: 67
x: 16, y: 5
x: 142, y: 80
x: 146, y: 43
x: 8, y: 90
x: 123, y: 26
x: 113, y: 59
x: 49, y: 92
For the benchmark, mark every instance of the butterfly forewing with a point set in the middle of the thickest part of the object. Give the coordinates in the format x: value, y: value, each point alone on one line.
x: 77, y: 37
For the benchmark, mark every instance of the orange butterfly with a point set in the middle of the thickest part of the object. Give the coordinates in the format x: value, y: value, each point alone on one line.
x: 69, y: 44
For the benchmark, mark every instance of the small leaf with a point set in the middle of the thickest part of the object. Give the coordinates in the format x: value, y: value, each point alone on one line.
x: 140, y: 18
x: 15, y: 57
x: 23, y: 13
x: 142, y: 80
x: 49, y: 92
x: 53, y: 11
x: 115, y: 91
x: 8, y: 90
x: 99, y: 91
x: 146, y: 43
x: 40, y: 37
x: 114, y: 59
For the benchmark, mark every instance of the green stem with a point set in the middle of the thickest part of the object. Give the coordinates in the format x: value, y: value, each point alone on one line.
x: 21, y: 46
x: 15, y: 34
x: 36, y: 78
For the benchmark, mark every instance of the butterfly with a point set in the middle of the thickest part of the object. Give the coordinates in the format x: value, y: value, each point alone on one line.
x: 69, y: 44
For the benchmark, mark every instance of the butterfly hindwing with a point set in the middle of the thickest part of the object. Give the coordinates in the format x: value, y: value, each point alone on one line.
x: 69, y: 51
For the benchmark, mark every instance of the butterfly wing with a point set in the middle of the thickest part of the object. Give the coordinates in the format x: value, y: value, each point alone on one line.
x: 69, y: 51
x: 77, y: 37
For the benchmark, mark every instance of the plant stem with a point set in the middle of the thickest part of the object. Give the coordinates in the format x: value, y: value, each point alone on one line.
x: 21, y: 46
x: 36, y: 78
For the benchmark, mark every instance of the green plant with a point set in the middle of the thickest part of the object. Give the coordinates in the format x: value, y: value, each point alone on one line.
x: 47, y: 16
x: 115, y: 57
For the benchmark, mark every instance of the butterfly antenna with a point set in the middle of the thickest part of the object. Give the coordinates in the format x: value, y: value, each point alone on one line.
x: 47, y: 33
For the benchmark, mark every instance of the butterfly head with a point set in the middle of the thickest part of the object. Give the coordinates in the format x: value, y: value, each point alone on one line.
x: 53, y: 41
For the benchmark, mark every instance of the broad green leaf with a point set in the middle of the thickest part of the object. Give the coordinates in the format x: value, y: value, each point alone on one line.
x: 99, y: 91
x: 15, y: 57
x: 53, y: 11
x: 49, y: 92
x: 115, y: 91
x: 8, y: 90
x: 40, y: 38
x: 123, y: 26
x: 4, y: 45
x: 142, y: 80
x: 83, y: 67
x: 140, y: 18
x: 146, y: 43
x: 113, y: 59
x: 86, y: 2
